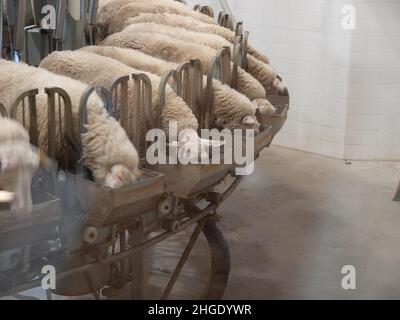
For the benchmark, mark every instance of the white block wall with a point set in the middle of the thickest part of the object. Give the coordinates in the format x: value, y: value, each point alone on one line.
x: 344, y: 84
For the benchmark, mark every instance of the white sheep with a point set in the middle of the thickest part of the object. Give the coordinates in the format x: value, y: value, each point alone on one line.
x: 113, y: 10
x: 18, y: 164
x: 263, y: 72
x: 107, y: 151
x: 97, y: 70
x: 232, y: 109
x: 178, y: 51
x: 188, y: 23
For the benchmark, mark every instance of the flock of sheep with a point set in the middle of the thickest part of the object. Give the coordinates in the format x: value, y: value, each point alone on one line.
x: 148, y: 36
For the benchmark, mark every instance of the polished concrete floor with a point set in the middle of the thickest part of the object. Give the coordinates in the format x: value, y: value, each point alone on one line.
x: 300, y: 218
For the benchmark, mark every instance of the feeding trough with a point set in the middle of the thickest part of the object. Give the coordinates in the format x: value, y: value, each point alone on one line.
x: 101, y: 206
x: 187, y: 180
x: 277, y: 120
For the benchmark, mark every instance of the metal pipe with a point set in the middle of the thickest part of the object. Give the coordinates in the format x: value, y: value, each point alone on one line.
x: 1, y: 29
x: 20, y: 28
x: 185, y: 256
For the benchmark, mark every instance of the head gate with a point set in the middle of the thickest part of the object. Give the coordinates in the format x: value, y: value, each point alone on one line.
x: 60, y: 130
x: 83, y: 121
x: 238, y: 58
x: 136, y: 119
x: 226, y: 20
x: 191, y: 85
x: 3, y: 111
x: 173, y: 79
x: 219, y: 69
x: 207, y: 10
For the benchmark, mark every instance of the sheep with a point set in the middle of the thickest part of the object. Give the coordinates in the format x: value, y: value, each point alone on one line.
x: 107, y: 151
x: 99, y: 71
x: 232, y: 109
x: 178, y: 51
x: 264, y: 73
x: 18, y: 164
x: 188, y: 23
x: 109, y: 12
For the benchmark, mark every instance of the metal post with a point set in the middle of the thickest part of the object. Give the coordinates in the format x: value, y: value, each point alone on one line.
x: 1, y: 29
x: 397, y: 196
x: 20, y: 28
x: 59, y: 32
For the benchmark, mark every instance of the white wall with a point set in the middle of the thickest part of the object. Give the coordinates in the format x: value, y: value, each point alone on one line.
x: 344, y: 85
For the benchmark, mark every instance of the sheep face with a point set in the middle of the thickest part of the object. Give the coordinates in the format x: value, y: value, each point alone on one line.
x: 264, y: 107
x: 18, y: 164
x: 119, y: 175
x: 280, y: 86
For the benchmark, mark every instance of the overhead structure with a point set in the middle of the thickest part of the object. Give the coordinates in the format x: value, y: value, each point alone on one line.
x: 37, y: 28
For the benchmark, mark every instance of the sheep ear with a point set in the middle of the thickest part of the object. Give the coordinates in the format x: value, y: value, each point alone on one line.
x: 248, y: 120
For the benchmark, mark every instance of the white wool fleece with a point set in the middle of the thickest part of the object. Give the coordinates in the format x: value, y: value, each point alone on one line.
x: 104, y: 145
x: 178, y: 51
x: 231, y: 107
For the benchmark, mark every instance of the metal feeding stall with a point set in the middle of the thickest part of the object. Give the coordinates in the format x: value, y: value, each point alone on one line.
x: 100, y: 240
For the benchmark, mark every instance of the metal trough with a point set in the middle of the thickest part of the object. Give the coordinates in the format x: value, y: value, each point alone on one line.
x: 100, y: 205
x: 186, y: 181
x: 277, y: 120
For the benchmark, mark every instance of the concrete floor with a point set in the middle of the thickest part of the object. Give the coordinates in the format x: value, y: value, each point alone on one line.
x: 293, y: 225
x: 300, y: 218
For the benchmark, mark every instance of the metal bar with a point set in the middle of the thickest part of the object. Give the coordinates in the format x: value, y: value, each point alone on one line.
x: 3, y: 110
x: 133, y: 250
x: 397, y: 196
x: 20, y: 27
x: 31, y: 95
x: 185, y: 255
x: 1, y: 29
x: 171, y: 75
x: 60, y: 27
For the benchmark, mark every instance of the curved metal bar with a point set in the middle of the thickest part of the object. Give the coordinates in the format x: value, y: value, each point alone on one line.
x: 119, y: 108
x: 142, y: 105
x: 83, y: 116
x: 191, y: 88
x: 239, y: 28
x: 207, y: 10
x: 31, y: 95
x: 197, y: 7
x: 226, y: 20
x: 219, y: 69
x: 172, y: 75
x: 237, y: 58
x: 3, y: 111
x: 66, y: 123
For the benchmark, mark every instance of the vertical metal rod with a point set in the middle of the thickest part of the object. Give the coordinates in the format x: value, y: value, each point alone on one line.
x: 1, y: 29
x: 397, y: 196
x: 20, y: 28
x: 195, y: 235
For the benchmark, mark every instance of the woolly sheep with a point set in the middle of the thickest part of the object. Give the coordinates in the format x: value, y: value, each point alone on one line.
x: 109, y: 12
x: 178, y: 51
x: 264, y: 73
x: 188, y: 23
x: 107, y: 151
x: 232, y: 109
x: 98, y: 70
x: 18, y: 164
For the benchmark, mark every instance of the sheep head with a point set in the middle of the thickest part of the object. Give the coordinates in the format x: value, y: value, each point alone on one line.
x: 18, y: 164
